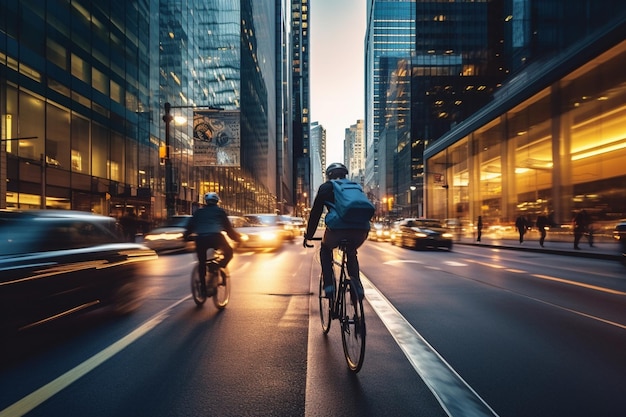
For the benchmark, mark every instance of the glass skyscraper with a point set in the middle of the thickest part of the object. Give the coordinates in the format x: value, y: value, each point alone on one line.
x: 552, y: 140
x: 82, y: 91
x: 390, y: 36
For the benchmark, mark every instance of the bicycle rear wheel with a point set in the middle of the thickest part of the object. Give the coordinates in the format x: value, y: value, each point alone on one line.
x: 199, y: 296
x: 325, y: 306
x: 352, y: 328
x: 222, y: 290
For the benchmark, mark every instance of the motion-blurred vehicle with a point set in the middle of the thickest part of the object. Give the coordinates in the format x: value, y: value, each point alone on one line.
x: 277, y: 221
x: 619, y: 234
x: 256, y: 234
x: 379, y: 232
x: 170, y: 236
x: 56, y: 263
x: 421, y: 234
x: 292, y: 231
x: 299, y: 225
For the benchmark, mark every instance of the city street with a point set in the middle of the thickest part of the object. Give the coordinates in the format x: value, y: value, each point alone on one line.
x: 478, y: 331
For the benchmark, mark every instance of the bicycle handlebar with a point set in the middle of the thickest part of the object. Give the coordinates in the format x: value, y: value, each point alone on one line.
x: 306, y: 245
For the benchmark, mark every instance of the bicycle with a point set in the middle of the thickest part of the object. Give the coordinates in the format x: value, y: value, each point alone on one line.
x: 216, y: 279
x: 347, y: 307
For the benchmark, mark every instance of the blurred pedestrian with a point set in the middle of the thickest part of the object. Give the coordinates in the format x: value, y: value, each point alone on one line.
x: 521, y: 224
x: 479, y: 228
x: 542, y: 225
x: 580, y: 223
x: 129, y: 225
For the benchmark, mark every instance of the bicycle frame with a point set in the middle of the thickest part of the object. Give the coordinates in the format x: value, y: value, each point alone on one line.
x: 213, y: 274
x: 349, y: 313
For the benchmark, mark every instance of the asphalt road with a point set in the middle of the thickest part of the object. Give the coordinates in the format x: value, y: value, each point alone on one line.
x: 477, y: 331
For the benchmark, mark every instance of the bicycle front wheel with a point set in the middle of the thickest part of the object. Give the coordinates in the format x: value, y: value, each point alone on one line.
x: 199, y: 296
x: 325, y: 306
x: 352, y: 328
x: 222, y: 290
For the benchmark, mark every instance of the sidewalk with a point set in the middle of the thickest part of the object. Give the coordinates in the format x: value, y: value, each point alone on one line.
x: 603, y: 249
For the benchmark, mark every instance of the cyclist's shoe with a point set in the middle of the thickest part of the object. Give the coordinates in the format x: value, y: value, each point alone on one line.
x: 329, y: 291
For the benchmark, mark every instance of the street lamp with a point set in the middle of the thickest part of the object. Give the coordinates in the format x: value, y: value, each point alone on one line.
x: 413, y: 188
x: 169, y: 180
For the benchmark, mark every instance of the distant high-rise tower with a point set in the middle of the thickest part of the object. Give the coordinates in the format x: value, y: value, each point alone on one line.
x: 300, y: 97
x: 390, y: 33
x: 354, y: 151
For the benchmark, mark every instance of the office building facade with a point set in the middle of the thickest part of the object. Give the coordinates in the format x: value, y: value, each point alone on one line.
x: 83, y: 86
x: 301, y: 100
x: 390, y: 35
x: 552, y: 141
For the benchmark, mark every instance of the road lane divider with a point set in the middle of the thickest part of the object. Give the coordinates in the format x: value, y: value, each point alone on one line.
x: 455, y: 395
x: 579, y: 284
x: 52, y: 388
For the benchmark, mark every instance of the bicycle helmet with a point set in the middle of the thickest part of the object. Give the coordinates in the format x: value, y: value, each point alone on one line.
x: 211, y: 198
x: 336, y: 170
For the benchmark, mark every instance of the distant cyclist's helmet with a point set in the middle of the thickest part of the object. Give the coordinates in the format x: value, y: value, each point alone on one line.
x: 211, y: 198
x: 336, y: 170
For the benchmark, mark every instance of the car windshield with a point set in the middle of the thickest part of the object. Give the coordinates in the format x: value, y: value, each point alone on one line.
x: 424, y: 223
x: 177, y: 221
x: 27, y: 235
x: 261, y: 220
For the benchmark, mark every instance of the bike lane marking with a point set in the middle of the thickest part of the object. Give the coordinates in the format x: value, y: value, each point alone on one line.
x: 451, y: 391
x: 37, y: 397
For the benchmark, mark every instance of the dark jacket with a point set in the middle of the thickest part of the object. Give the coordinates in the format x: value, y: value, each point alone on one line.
x: 210, y: 220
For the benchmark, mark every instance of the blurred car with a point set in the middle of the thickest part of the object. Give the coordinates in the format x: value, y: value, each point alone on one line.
x: 256, y: 234
x: 169, y: 236
x: 277, y: 221
x: 380, y: 232
x: 619, y: 234
x: 54, y: 263
x: 291, y: 230
x: 422, y: 234
x: 298, y: 225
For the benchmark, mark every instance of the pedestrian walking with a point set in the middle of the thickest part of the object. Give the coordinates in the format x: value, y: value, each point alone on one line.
x: 580, y: 223
x: 521, y: 224
x: 479, y: 228
x: 542, y: 224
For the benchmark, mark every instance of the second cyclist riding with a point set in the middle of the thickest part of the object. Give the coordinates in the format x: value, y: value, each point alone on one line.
x: 216, y: 283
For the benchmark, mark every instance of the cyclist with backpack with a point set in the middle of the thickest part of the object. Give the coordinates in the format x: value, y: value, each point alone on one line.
x: 348, y: 218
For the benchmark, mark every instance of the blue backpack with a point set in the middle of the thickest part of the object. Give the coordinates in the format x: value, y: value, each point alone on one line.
x: 352, y: 209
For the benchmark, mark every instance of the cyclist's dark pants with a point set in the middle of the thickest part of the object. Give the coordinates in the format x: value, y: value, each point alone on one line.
x: 330, y: 241
x: 216, y: 241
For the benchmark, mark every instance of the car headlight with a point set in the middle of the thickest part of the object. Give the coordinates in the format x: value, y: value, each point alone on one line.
x: 244, y: 237
x: 447, y: 235
x: 268, y: 236
x: 420, y: 234
x: 164, y: 236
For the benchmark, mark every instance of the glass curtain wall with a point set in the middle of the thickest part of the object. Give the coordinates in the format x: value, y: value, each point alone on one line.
x: 71, y: 108
x: 554, y: 154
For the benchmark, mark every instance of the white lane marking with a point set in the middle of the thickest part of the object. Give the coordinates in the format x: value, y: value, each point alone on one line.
x: 578, y: 284
x: 454, y: 394
x: 402, y: 261
x: 454, y: 263
x: 52, y: 388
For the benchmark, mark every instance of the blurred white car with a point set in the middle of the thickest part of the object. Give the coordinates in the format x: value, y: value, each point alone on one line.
x: 276, y: 221
x: 169, y: 236
x: 256, y: 234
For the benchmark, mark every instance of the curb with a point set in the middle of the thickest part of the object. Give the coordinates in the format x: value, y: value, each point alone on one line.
x: 563, y: 252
